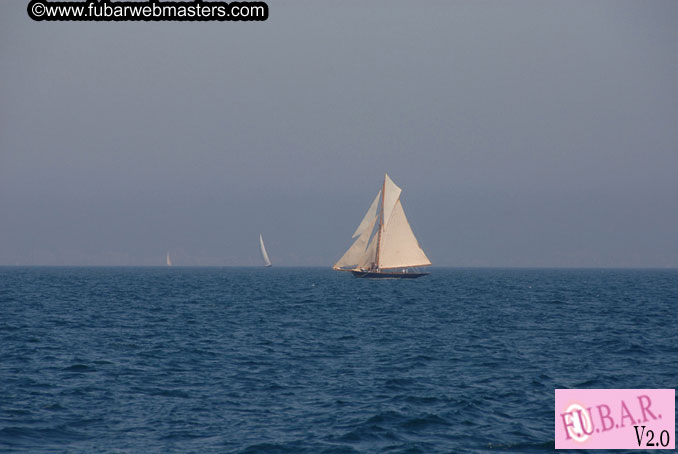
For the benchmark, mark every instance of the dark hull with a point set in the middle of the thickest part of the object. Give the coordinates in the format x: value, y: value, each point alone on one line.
x: 386, y: 275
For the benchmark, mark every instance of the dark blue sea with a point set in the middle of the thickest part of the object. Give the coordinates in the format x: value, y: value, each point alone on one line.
x: 307, y: 360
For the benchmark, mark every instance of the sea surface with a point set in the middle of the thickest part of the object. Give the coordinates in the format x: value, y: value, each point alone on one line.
x: 307, y: 360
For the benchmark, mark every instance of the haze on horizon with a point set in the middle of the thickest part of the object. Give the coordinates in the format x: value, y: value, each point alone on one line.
x: 523, y: 133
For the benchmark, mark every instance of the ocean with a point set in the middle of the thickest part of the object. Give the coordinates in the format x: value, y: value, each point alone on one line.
x: 308, y: 360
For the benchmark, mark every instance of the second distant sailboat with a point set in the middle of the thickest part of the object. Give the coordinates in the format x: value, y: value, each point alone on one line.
x: 264, y: 255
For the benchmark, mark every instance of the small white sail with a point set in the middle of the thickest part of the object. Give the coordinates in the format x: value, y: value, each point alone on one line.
x: 369, y: 218
x: 399, y: 247
x: 369, y: 258
x: 353, y: 256
x: 168, y: 261
x: 267, y: 261
x: 391, y: 196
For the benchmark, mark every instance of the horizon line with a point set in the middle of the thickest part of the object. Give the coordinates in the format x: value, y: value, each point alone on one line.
x: 329, y: 267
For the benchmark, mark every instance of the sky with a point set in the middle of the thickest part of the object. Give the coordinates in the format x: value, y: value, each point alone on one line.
x: 523, y: 134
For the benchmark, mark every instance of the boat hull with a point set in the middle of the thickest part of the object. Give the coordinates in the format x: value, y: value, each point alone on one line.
x: 386, y: 275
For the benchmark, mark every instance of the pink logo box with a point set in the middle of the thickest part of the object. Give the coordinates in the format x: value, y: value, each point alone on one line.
x: 615, y: 418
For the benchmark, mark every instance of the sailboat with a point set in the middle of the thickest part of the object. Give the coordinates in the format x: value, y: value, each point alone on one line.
x: 168, y: 261
x: 393, y: 249
x: 264, y: 255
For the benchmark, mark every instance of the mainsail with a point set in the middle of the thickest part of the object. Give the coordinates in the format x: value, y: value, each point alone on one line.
x: 264, y: 255
x: 399, y: 247
x: 168, y: 261
x: 393, y: 244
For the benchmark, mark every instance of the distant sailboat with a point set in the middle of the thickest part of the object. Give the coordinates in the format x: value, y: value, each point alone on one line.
x: 168, y: 261
x: 264, y: 255
x: 393, y: 249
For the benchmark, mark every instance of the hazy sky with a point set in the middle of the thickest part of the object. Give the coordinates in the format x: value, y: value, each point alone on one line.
x: 523, y: 133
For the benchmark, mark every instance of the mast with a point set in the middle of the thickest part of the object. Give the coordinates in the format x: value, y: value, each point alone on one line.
x: 381, y: 219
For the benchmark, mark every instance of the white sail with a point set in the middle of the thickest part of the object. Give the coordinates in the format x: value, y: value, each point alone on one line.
x: 355, y: 253
x: 168, y: 261
x: 264, y: 255
x: 391, y: 196
x: 369, y: 258
x: 399, y: 247
x: 369, y: 218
